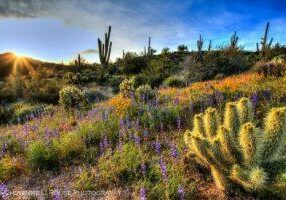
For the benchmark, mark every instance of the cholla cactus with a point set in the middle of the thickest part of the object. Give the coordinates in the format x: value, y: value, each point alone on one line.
x: 127, y: 87
x: 237, y: 152
x: 145, y: 93
x: 71, y: 97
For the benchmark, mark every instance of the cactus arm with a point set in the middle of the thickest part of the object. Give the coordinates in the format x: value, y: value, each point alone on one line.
x: 248, y: 143
x: 274, y: 134
x: 211, y: 122
x: 245, y: 110
x: 199, y: 129
x: 231, y: 117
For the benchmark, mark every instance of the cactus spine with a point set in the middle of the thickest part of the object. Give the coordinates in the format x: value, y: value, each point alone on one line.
x: 105, y: 49
x: 237, y: 152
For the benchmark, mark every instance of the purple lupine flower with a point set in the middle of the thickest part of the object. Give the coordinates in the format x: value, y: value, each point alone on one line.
x: 179, y: 123
x: 219, y: 98
x: 255, y: 100
x: 105, y: 142
x: 143, y: 168
x: 145, y: 133
x: 176, y: 101
x: 163, y: 168
x: 101, y: 147
x: 174, y: 152
x: 137, y: 140
x: 57, y: 195
x: 181, y: 192
x: 4, y: 192
x: 158, y: 147
x: 143, y: 194
x: 137, y: 124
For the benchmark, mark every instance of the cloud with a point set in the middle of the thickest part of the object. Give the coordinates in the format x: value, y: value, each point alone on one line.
x: 169, y: 23
x: 89, y: 51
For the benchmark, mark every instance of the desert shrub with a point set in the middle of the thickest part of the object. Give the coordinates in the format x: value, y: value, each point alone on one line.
x: 133, y: 64
x: 85, y: 180
x: 238, y: 152
x: 94, y: 96
x: 93, y: 133
x: 6, y: 114
x: 127, y: 87
x: 225, y: 61
x: 25, y: 111
x: 145, y: 93
x: 68, y: 147
x: 121, y: 167
x: 279, y: 59
x: 10, y: 144
x: 114, y: 82
x: 10, y: 167
x: 174, y: 82
x: 275, y: 69
x: 41, y: 155
x: 71, y: 97
x: 174, y: 186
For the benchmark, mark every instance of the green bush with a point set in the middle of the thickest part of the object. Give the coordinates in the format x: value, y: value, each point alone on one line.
x: 94, y: 96
x: 238, y: 152
x: 273, y: 68
x: 127, y: 87
x: 71, y: 97
x: 85, y: 180
x: 41, y: 155
x: 174, y: 82
x: 121, y: 167
x: 145, y: 92
x: 6, y: 114
x: 93, y: 133
x: 10, y: 167
x: 13, y: 146
x: 68, y: 147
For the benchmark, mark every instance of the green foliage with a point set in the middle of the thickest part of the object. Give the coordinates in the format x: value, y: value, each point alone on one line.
x: 226, y: 61
x: 10, y: 167
x: 127, y: 87
x: 276, y: 68
x: 71, y: 97
x: 123, y: 166
x: 182, y: 48
x: 85, y: 180
x: 13, y: 145
x: 236, y: 151
x: 145, y: 92
x: 68, y: 147
x: 41, y: 155
x: 173, y: 81
x: 93, y: 133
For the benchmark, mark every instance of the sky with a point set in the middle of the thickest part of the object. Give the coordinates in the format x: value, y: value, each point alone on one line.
x: 57, y: 30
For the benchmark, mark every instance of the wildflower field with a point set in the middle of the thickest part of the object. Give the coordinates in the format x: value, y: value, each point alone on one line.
x: 134, y: 147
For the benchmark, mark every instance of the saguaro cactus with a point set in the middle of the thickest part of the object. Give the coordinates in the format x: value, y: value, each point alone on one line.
x: 105, y: 49
x: 210, y: 46
x: 265, y: 45
x: 78, y: 63
x: 200, y: 44
x: 233, y: 41
x: 238, y: 152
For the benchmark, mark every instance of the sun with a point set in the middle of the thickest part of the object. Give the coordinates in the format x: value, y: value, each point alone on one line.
x: 19, y: 54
